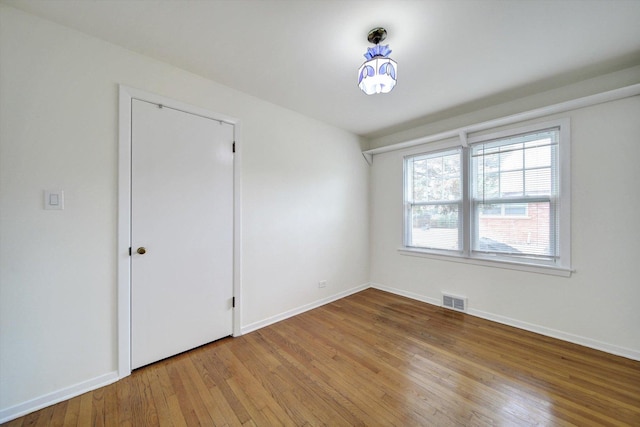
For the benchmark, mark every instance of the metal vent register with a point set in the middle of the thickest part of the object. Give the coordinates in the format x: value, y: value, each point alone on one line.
x: 454, y: 302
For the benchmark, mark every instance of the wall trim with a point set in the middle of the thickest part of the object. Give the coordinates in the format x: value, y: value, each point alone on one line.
x: 542, y: 330
x: 299, y: 310
x: 561, y: 335
x: 57, y: 396
x: 462, y: 132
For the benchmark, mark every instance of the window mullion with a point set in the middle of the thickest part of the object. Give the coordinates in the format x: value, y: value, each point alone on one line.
x: 408, y: 198
x: 465, y: 205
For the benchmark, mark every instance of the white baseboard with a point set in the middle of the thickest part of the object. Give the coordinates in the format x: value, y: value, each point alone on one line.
x: 564, y: 336
x: 282, y: 316
x: 542, y: 330
x: 52, y: 398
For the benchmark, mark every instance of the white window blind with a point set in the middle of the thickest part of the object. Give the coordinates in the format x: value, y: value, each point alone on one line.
x: 514, y: 192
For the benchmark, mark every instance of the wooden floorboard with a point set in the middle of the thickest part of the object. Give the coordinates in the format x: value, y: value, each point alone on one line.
x: 373, y: 359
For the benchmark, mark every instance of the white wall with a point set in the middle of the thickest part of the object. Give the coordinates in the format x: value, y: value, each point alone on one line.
x: 305, y: 213
x: 304, y: 201
x: 597, y: 305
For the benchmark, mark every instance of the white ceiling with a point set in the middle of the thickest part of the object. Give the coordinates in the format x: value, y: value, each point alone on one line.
x: 304, y: 54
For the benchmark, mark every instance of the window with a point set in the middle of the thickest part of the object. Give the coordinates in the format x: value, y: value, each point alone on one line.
x: 500, y: 199
x: 434, y: 200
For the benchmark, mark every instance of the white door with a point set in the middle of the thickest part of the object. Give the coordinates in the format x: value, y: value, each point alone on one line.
x: 181, y: 231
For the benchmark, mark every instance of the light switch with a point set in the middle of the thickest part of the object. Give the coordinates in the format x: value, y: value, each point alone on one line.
x: 54, y: 199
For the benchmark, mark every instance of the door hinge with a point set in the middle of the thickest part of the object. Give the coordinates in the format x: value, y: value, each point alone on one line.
x: 233, y: 148
x: 129, y: 250
x: 233, y: 302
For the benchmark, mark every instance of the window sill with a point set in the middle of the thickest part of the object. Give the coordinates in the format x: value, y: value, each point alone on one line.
x: 508, y: 265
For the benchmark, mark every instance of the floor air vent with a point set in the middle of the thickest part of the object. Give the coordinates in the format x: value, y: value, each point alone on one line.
x: 454, y: 302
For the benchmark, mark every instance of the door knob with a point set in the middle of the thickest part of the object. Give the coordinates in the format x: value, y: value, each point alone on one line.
x: 141, y: 250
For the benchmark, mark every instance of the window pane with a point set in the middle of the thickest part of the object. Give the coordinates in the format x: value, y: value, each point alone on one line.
x: 435, y: 184
x: 516, y: 209
x: 490, y: 209
x: 452, y: 189
x: 511, y: 160
x: 538, y: 182
x: 502, y: 209
x: 537, y: 157
x: 523, y: 230
x: 435, y: 227
x: 515, y: 167
x: 488, y: 185
x: 452, y: 164
x: 436, y: 177
x: 511, y: 184
x: 419, y: 178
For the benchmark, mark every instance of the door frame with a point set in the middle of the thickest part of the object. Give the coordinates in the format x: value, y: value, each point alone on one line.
x: 126, y: 96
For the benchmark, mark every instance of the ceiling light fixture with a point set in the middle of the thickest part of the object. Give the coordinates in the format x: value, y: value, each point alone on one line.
x: 378, y: 73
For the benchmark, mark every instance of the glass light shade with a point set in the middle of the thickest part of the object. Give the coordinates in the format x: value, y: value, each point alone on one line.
x: 377, y: 75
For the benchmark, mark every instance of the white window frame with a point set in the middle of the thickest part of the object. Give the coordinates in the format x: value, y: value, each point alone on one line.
x: 409, y: 203
x: 561, y: 266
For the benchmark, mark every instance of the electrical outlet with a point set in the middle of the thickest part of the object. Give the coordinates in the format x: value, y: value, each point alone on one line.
x: 322, y: 284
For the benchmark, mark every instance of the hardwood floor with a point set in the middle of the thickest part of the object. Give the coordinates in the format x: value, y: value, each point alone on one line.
x: 369, y: 359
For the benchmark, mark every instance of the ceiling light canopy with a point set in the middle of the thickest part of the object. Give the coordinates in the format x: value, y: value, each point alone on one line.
x: 378, y: 73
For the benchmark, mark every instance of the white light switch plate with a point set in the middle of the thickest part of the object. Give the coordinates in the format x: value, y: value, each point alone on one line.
x: 53, y: 199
